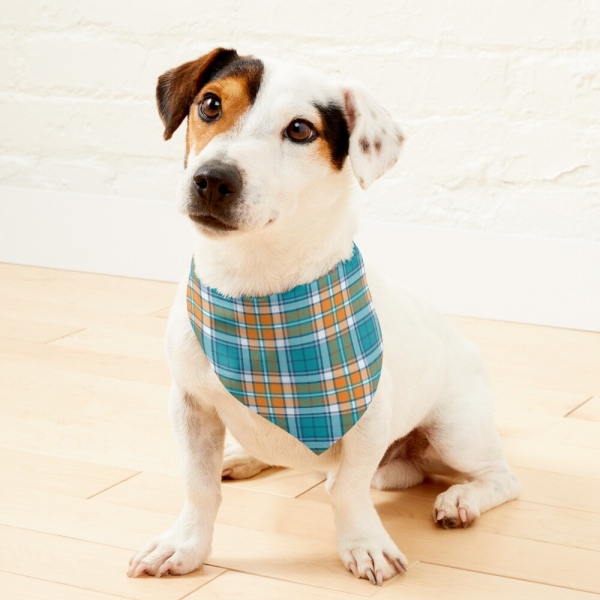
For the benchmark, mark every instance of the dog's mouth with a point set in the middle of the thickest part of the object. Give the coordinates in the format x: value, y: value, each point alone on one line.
x: 211, y: 222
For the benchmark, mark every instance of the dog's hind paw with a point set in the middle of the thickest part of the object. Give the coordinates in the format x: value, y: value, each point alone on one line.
x: 238, y: 464
x: 456, y: 507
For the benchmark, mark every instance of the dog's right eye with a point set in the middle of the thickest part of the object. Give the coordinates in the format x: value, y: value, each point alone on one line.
x: 210, y: 108
x: 300, y: 131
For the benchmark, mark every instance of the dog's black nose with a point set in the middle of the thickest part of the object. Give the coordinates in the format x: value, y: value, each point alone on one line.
x: 218, y: 183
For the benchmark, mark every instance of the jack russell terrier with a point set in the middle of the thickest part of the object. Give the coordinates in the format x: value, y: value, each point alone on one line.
x: 280, y: 334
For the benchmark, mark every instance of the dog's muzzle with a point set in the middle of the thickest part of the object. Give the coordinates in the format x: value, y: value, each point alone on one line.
x: 216, y: 187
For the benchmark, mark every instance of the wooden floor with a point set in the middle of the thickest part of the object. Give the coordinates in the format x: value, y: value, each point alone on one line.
x: 89, y: 470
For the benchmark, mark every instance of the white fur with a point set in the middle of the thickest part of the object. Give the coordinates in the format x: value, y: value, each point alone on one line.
x: 296, y: 223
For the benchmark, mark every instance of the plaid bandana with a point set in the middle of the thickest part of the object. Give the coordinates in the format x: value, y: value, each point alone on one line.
x: 308, y: 359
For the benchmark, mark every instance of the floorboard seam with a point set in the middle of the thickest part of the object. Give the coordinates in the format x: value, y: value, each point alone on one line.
x: 312, y: 487
x: 561, y: 474
x: 205, y: 584
x: 71, y: 537
x: 113, y: 485
x: 578, y: 406
x: 62, y: 337
x: 76, y: 587
x: 312, y: 585
x: 555, y: 585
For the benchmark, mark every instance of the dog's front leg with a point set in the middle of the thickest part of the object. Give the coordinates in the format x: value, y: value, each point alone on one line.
x: 365, y: 546
x: 184, y: 547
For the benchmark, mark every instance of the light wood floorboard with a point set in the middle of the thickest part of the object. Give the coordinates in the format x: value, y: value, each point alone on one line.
x: 89, y: 469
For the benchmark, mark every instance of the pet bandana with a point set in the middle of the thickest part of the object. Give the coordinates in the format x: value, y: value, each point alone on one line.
x: 308, y: 360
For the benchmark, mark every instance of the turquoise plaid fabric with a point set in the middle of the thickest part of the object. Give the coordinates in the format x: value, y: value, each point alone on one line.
x: 308, y: 360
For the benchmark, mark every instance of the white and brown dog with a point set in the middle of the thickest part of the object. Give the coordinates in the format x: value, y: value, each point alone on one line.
x: 266, y: 186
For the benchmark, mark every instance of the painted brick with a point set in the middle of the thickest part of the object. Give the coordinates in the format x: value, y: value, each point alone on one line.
x: 565, y: 87
x: 102, y: 66
x: 498, y: 99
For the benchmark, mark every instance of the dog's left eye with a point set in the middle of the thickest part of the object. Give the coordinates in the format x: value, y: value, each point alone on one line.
x: 210, y: 108
x: 300, y: 130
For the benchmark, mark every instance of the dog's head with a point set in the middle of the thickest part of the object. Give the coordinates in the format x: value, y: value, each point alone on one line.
x: 265, y: 138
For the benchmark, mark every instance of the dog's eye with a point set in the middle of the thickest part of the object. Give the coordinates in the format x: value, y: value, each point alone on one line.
x: 210, y: 108
x: 299, y: 130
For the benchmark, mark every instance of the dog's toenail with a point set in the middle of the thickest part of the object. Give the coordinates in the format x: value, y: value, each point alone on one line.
x: 463, y: 514
x: 440, y: 515
x: 401, y: 568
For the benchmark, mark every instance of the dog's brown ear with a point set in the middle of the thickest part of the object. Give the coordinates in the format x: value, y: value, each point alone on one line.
x: 375, y: 138
x: 177, y: 88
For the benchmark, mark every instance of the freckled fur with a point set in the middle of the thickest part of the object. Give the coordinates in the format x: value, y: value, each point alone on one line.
x: 365, y: 145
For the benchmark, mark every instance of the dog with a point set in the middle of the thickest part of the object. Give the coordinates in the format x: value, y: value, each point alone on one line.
x: 271, y: 150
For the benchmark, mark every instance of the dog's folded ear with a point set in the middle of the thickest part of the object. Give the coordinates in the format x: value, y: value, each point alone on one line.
x: 375, y: 138
x: 177, y: 88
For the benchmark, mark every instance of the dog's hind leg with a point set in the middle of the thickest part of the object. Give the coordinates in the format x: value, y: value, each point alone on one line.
x: 468, y: 442
x: 400, y: 466
x: 398, y: 474
x: 238, y: 464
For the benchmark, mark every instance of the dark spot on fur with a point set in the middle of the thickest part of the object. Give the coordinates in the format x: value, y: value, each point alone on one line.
x: 365, y: 146
x: 335, y: 132
x: 377, y: 145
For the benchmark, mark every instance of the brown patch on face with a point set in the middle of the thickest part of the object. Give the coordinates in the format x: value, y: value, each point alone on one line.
x: 334, y: 137
x: 177, y: 88
x: 365, y: 145
x: 411, y: 447
x: 236, y: 99
x: 322, y: 149
x: 377, y: 145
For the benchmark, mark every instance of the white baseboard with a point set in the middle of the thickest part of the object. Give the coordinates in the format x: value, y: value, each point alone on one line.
x: 530, y: 280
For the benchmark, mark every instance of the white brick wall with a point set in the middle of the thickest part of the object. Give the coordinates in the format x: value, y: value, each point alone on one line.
x: 500, y: 99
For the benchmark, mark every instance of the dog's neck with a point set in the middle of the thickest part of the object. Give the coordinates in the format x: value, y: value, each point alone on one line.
x: 294, y: 251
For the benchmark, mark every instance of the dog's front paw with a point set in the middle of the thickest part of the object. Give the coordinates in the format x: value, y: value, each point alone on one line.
x: 172, y: 553
x: 372, y: 559
x: 238, y: 464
